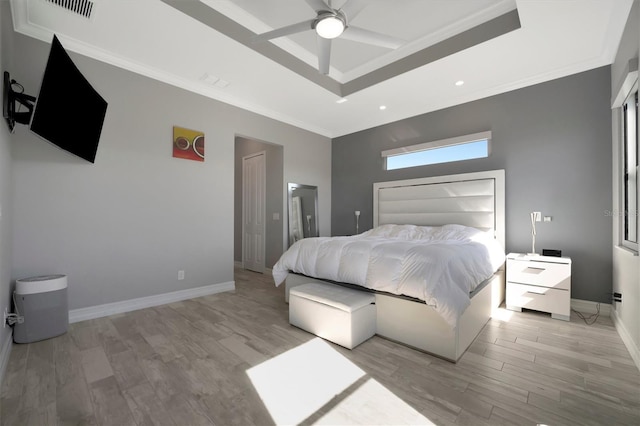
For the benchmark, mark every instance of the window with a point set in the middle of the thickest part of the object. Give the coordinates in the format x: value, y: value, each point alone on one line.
x: 630, y: 165
x: 455, y: 149
x: 625, y: 108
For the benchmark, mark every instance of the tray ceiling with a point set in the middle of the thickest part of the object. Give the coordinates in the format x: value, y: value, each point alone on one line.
x: 204, y: 46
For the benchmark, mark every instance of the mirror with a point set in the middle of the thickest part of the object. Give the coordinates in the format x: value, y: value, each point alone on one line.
x: 303, y: 212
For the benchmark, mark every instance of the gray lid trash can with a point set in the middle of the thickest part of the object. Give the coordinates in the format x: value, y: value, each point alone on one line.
x: 42, y: 302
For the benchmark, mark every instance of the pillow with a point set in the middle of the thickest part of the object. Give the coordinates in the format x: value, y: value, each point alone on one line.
x: 436, y: 233
x: 403, y: 232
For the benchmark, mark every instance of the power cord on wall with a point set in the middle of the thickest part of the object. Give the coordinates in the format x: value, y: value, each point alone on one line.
x: 591, y: 318
x: 13, y: 319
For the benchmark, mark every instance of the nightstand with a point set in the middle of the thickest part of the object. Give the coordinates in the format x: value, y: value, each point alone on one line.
x: 542, y: 283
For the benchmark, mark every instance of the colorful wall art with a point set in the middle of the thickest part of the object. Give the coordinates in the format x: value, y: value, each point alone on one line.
x: 188, y: 144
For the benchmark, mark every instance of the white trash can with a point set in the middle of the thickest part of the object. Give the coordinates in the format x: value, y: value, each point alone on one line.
x: 42, y: 302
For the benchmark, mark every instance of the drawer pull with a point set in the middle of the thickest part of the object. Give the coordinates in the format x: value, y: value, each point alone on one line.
x: 539, y: 294
x: 531, y: 270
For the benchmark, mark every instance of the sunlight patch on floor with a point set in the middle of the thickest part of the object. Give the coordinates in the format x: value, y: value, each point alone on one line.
x: 501, y: 314
x: 373, y: 404
x: 296, y: 384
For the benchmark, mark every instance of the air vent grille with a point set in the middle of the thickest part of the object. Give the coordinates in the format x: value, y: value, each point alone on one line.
x: 80, y: 7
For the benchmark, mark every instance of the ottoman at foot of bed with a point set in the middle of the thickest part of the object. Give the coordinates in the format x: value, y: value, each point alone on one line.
x: 344, y: 316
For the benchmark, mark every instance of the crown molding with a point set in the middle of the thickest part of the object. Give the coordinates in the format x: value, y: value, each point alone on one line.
x: 19, y: 10
x: 440, y: 104
x: 22, y: 25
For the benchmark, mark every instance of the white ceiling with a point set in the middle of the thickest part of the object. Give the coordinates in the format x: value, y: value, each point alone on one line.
x: 556, y: 38
x: 419, y: 23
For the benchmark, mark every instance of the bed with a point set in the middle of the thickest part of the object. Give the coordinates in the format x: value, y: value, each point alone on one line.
x: 473, y: 200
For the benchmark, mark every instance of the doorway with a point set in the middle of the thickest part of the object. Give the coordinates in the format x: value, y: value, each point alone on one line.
x: 275, y: 209
x: 253, y: 211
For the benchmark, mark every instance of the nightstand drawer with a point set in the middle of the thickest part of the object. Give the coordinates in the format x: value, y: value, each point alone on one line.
x: 545, y: 299
x: 545, y: 274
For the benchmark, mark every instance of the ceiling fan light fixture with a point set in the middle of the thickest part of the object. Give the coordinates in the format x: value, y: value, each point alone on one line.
x: 330, y: 25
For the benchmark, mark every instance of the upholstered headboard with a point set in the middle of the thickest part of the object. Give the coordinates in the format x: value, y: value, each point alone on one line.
x: 471, y: 199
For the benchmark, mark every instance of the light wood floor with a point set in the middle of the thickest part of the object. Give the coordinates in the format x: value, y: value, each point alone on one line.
x: 193, y: 362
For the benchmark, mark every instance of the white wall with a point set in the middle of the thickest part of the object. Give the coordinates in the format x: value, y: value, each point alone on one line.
x: 626, y: 267
x: 122, y: 228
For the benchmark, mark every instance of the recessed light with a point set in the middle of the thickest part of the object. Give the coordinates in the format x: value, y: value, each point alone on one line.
x: 342, y: 100
x: 459, y: 83
x: 382, y: 107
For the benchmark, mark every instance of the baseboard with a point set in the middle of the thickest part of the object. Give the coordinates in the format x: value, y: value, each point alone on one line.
x: 82, y: 314
x: 589, y: 307
x: 239, y: 265
x: 5, y: 352
x: 632, y: 347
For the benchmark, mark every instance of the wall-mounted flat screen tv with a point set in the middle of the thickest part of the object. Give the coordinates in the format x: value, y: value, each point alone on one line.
x: 68, y: 111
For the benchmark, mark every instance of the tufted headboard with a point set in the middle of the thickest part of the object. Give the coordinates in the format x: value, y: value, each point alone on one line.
x: 471, y: 199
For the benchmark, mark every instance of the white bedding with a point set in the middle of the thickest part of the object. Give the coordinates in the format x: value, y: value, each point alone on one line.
x: 439, y: 265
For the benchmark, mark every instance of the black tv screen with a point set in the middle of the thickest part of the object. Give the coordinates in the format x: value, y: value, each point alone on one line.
x: 68, y: 112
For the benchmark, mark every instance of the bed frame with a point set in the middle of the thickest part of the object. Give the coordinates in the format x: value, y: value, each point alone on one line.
x: 471, y: 199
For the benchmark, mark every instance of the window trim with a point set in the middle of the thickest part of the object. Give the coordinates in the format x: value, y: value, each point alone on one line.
x: 623, y: 172
x: 458, y: 140
x: 627, y: 86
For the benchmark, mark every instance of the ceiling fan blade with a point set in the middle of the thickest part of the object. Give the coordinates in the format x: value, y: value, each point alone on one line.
x: 317, y: 5
x: 370, y: 37
x: 352, y: 8
x: 324, y: 55
x: 280, y: 32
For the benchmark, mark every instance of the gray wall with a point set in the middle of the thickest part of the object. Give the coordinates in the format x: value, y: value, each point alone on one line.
x: 552, y: 139
x: 274, y: 198
x: 122, y: 228
x: 6, y: 35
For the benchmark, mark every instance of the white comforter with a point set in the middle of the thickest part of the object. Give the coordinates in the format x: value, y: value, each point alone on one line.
x: 439, y: 265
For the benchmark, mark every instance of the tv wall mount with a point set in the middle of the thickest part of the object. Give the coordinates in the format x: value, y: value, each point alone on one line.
x: 11, y: 102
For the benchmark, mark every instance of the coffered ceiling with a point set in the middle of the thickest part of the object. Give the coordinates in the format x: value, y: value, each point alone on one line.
x: 208, y: 47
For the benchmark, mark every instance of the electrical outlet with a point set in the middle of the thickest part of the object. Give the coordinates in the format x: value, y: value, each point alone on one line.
x: 547, y: 218
x: 537, y: 216
x: 180, y: 275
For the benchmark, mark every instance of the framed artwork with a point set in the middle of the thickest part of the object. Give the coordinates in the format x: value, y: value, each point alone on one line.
x: 188, y: 144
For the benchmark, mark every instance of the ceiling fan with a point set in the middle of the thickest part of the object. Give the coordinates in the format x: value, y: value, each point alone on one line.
x: 331, y: 23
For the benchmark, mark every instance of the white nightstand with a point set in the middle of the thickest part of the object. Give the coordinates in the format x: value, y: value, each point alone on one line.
x: 542, y: 283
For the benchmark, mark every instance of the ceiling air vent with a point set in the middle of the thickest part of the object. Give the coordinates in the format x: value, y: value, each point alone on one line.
x: 79, y: 7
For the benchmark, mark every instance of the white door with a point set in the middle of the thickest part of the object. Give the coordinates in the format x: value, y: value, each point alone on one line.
x: 253, y: 211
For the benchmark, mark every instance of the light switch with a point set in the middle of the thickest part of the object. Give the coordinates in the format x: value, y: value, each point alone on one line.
x: 547, y: 218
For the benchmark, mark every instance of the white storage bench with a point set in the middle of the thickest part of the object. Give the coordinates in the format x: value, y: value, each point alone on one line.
x: 344, y: 316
